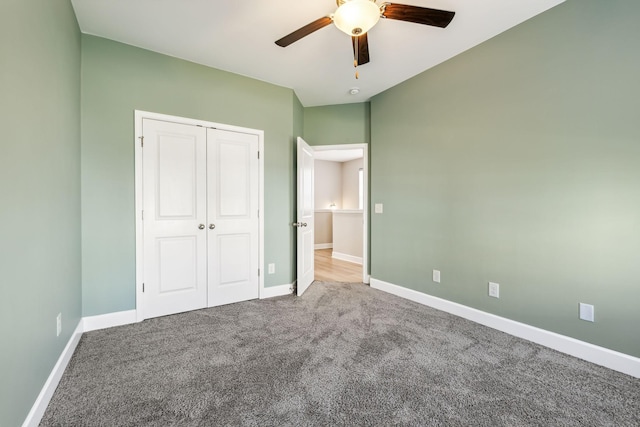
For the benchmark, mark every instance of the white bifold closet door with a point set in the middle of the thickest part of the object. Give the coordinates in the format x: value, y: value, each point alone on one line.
x: 232, y: 207
x: 201, y: 227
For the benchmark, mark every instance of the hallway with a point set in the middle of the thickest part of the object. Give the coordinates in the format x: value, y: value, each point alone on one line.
x: 328, y: 269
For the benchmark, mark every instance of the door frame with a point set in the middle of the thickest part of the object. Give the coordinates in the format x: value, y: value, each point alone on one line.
x: 365, y: 203
x: 139, y: 115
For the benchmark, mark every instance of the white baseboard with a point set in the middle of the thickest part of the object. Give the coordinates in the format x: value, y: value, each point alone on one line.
x: 93, y: 323
x: 41, y: 403
x: 276, y: 291
x: 323, y: 246
x: 592, y: 353
x: 346, y: 257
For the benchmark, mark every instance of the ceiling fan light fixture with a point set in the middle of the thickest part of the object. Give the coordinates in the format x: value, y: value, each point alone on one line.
x: 356, y: 17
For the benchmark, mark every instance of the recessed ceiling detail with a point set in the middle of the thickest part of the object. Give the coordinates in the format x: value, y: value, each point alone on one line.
x: 239, y: 37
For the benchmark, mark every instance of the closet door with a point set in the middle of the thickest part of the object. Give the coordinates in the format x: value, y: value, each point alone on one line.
x: 233, y: 224
x: 174, y: 218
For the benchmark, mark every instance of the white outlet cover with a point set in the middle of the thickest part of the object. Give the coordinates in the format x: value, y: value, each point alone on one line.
x: 272, y: 268
x: 494, y: 290
x: 587, y: 312
x: 436, y: 276
x: 378, y: 208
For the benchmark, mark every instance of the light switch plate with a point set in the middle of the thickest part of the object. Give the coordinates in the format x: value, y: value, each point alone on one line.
x: 378, y: 208
x: 587, y: 312
x: 436, y: 276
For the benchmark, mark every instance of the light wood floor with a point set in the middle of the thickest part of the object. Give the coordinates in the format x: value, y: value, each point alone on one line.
x: 329, y: 269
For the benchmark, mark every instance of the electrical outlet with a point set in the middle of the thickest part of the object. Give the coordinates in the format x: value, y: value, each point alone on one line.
x: 436, y: 276
x: 494, y: 290
x: 378, y: 208
x: 272, y: 268
x: 587, y: 312
x: 58, y: 324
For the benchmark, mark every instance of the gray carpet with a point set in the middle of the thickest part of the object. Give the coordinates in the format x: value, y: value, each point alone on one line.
x: 339, y: 355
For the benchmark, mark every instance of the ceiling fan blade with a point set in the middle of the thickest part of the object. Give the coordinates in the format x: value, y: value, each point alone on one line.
x: 360, y: 49
x: 304, y: 31
x: 419, y: 15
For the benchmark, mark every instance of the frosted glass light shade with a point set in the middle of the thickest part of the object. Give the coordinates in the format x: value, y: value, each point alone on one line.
x: 356, y: 17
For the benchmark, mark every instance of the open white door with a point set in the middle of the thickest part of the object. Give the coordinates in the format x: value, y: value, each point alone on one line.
x: 305, y: 219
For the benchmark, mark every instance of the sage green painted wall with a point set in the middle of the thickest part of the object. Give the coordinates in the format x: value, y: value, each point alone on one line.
x: 340, y: 124
x: 298, y: 117
x: 519, y: 162
x: 39, y: 195
x: 118, y: 79
x: 337, y: 124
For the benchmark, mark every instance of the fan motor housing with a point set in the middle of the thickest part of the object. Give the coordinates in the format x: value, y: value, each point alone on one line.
x: 356, y: 17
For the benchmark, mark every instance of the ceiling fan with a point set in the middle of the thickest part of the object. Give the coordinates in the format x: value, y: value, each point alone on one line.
x: 356, y: 17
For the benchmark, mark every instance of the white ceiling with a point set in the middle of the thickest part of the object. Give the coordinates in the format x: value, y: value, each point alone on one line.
x: 238, y: 36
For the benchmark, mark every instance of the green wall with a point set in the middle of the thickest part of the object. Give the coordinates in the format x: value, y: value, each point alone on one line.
x: 337, y: 124
x: 340, y: 124
x: 519, y: 162
x: 39, y: 195
x: 118, y: 79
x: 515, y: 162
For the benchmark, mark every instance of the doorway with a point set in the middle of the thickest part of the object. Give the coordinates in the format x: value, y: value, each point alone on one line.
x: 330, y: 269
x: 339, y: 208
x: 340, y: 215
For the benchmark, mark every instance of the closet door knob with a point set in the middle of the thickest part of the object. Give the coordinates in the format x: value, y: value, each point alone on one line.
x: 201, y: 226
x: 212, y: 226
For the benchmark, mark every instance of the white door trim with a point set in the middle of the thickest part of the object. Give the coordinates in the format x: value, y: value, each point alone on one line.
x: 365, y: 205
x: 138, y: 117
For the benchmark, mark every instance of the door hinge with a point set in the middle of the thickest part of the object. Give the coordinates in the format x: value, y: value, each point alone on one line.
x: 143, y: 215
x: 258, y: 272
x: 143, y: 287
x: 141, y: 141
x: 258, y: 213
x: 258, y: 155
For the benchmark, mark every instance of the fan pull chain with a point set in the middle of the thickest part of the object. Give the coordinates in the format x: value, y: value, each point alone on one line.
x: 356, y: 54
